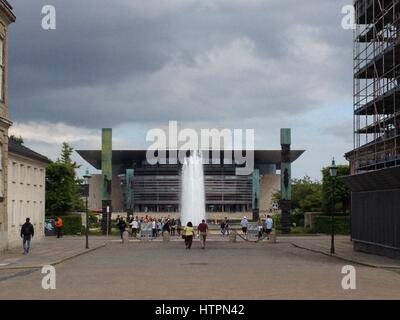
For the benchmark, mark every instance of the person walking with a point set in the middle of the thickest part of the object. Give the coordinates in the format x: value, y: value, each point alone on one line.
x: 269, y: 223
x: 189, y: 233
x: 244, y: 224
x: 121, y: 226
x: 130, y: 220
x: 135, y: 227
x: 154, y: 228
x: 202, y: 229
x: 222, y: 227
x: 27, y: 232
x: 167, y: 227
x: 173, y: 227
x: 226, y: 226
x: 160, y: 226
x: 260, y: 229
x: 59, y: 226
x: 178, y: 226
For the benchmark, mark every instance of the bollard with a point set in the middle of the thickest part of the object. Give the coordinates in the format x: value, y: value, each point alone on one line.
x: 271, y: 238
x: 125, y: 237
x: 166, y: 236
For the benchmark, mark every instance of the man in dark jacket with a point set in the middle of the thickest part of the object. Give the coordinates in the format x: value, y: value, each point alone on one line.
x: 27, y: 232
x: 167, y: 227
x: 121, y: 226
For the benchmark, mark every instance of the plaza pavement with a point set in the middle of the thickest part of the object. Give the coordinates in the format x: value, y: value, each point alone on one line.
x: 344, y: 251
x: 225, y: 270
x: 50, y: 251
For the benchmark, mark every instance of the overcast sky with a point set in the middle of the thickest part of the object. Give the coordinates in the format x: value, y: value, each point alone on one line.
x: 134, y: 65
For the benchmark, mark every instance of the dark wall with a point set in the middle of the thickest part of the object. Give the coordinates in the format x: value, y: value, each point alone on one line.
x: 376, y: 217
x: 375, y: 211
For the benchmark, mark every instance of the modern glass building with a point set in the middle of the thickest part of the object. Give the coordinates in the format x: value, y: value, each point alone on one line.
x: 138, y: 186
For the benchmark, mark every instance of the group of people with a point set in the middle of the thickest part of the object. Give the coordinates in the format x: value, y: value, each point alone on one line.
x: 189, y: 233
x: 224, y: 227
x: 262, y: 227
x: 58, y: 225
x: 157, y: 226
x: 28, y: 231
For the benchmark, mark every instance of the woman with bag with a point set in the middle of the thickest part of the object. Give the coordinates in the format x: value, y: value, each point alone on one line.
x: 189, y: 233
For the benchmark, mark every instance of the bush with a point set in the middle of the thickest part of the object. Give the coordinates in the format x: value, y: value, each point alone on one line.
x: 72, y: 224
x: 93, y: 221
x: 297, y: 219
x: 322, y: 224
x: 277, y: 222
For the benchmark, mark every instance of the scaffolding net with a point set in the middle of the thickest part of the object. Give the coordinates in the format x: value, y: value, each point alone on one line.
x: 376, y: 89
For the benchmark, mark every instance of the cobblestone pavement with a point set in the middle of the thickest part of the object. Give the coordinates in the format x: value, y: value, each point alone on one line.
x: 157, y: 270
x: 343, y: 250
x: 49, y: 251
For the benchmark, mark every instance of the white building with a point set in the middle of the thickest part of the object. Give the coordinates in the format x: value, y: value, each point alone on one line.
x: 6, y: 18
x: 26, y: 191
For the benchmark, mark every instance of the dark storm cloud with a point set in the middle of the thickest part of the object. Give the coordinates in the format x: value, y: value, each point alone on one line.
x: 90, y: 46
x: 112, y: 62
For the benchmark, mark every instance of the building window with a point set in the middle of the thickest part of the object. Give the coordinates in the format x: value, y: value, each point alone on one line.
x: 2, y: 69
x: 34, y: 212
x: 28, y: 175
x: 28, y: 211
x: 15, y: 172
x: 22, y: 174
x: 42, y: 178
x: 21, y: 209
x: 13, y: 212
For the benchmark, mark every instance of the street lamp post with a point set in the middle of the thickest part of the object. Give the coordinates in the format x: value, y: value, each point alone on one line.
x: 333, y: 173
x: 86, y: 178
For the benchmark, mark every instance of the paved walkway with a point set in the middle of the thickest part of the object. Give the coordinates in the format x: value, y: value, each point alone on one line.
x: 50, y: 251
x: 224, y: 270
x: 344, y: 250
x: 54, y: 251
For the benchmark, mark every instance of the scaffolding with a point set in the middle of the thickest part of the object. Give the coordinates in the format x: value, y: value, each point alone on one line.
x: 376, y: 88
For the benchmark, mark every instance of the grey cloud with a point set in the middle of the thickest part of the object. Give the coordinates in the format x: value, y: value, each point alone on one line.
x: 343, y: 131
x: 138, y: 61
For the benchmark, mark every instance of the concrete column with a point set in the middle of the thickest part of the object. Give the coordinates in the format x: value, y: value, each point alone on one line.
x: 129, y: 190
x: 286, y: 185
x: 256, y: 194
x: 106, y: 170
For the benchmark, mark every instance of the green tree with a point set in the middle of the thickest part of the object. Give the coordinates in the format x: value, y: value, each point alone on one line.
x: 62, y: 185
x: 306, y: 195
x: 18, y: 140
x: 66, y: 153
x: 342, y: 193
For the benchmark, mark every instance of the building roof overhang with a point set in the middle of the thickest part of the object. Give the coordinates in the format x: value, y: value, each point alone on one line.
x: 128, y: 157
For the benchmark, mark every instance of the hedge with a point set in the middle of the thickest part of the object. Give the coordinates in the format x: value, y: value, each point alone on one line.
x: 72, y: 224
x: 297, y: 219
x: 277, y: 222
x: 322, y: 224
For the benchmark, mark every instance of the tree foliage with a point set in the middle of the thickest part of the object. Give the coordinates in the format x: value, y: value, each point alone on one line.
x: 306, y: 195
x: 62, y: 185
x: 66, y: 153
x: 19, y: 140
x: 314, y: 196
x: 342, y: 193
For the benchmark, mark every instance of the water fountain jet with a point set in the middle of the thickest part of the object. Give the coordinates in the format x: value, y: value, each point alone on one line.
x: 193, y: 194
